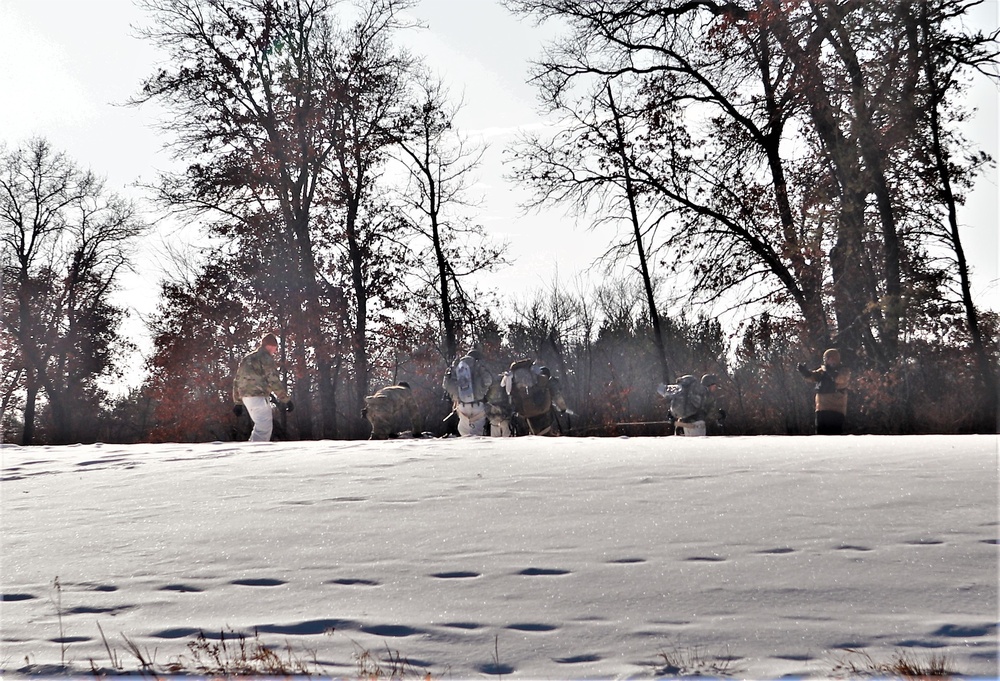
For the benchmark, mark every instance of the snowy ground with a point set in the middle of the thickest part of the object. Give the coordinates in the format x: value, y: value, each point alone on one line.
x: 530, y: 558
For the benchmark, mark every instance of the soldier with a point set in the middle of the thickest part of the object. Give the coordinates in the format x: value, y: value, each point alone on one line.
x: 467, y: 382
x: 256, y: 379
x: 831, y: 392
x: 391, y: 411
x: 533, y: 393
x: 692, y: 402
x: 498, y: 411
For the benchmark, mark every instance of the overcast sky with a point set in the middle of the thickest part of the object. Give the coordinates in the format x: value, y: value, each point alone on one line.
x: 70, y: 63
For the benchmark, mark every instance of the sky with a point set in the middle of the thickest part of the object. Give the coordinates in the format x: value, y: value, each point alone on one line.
x: 70, y: 64
x: 512, y: 558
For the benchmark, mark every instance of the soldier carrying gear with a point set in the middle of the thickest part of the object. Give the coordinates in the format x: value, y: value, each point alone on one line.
x: 533, y: 393
x: 256, y: 379
x: 468, y: 382
x: 691, y: 403
x: 391, y: 411
x: 499, y: 413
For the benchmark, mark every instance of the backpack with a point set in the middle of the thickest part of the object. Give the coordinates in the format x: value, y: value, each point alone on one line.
x: 463, y: 375
x: 688, y: 401
x: 528, y: 389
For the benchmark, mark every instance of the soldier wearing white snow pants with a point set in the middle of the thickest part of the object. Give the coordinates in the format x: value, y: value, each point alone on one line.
x: 256, y: 379
x: 467, y: 383
x: 691, y: 402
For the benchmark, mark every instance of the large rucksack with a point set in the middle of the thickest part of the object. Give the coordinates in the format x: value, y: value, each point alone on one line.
x: 528, y: 389
x: 689, y: 400
x: 463, y: 376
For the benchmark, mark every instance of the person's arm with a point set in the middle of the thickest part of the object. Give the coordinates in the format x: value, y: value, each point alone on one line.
x: 814, y: 375
x: 557, y: 397
x: 272, y: 380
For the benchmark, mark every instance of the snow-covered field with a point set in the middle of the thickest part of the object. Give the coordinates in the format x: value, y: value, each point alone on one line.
x: 529, y: 558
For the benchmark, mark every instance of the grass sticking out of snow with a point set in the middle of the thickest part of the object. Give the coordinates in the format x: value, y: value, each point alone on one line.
x: 859, y: 663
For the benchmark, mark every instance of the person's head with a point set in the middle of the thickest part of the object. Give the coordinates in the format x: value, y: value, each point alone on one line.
x: 710, y: 381
x: 270, y: 343
x: 831, y: 357
x: 475, y: 354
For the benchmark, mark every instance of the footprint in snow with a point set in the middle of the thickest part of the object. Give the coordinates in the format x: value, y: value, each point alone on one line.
x: 578, y: 659
x: 390, y: 630
x: 495, y: 669
x: 181, y: 588
x: 532, y: 626
x: 258, y: 582
x: 542, y: 572
x: 13, y: 598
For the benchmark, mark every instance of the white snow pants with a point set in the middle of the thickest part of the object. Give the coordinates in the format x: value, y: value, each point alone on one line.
x: 693, y: 429
x: 500, y: 428
x: 471, y: 418
x: 259, y: 409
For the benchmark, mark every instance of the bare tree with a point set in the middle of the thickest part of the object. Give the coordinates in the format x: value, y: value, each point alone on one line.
x: 368, y: 75
x: 65, y: 239
x: 945, y: 55
x: 440, y: 163
x: 280, y: 115
x: 779, y: 134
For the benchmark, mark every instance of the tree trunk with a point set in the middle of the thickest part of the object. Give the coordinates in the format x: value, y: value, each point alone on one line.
x: 30, y: 400
x: 359, y: 331
x: 991, y: 392
x: 654, y: 315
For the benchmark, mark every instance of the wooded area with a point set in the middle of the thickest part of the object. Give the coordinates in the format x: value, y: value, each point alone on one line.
x: 804, y: 162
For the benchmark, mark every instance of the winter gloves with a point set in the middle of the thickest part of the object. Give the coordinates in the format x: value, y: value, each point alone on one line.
x: 286, y: 406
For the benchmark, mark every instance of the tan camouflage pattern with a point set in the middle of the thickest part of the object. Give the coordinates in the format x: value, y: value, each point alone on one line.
x: 257, y: 376
x: 391, y: 411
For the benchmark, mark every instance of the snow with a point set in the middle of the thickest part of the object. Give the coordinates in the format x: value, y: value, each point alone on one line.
x: 531, y: 558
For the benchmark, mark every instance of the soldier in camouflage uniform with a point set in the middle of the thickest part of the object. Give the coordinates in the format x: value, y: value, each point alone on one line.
x: 256, y: 379
x: 534, y: 393
x: 391, y: 411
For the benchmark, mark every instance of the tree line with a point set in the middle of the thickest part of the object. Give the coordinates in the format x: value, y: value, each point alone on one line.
x: 802, y: 163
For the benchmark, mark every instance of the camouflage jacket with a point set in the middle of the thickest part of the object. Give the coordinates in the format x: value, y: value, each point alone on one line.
x: 258, y: 376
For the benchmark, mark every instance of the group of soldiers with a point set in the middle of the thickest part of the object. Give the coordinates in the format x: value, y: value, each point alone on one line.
x: 524, y: 399
x: 524, y: 396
